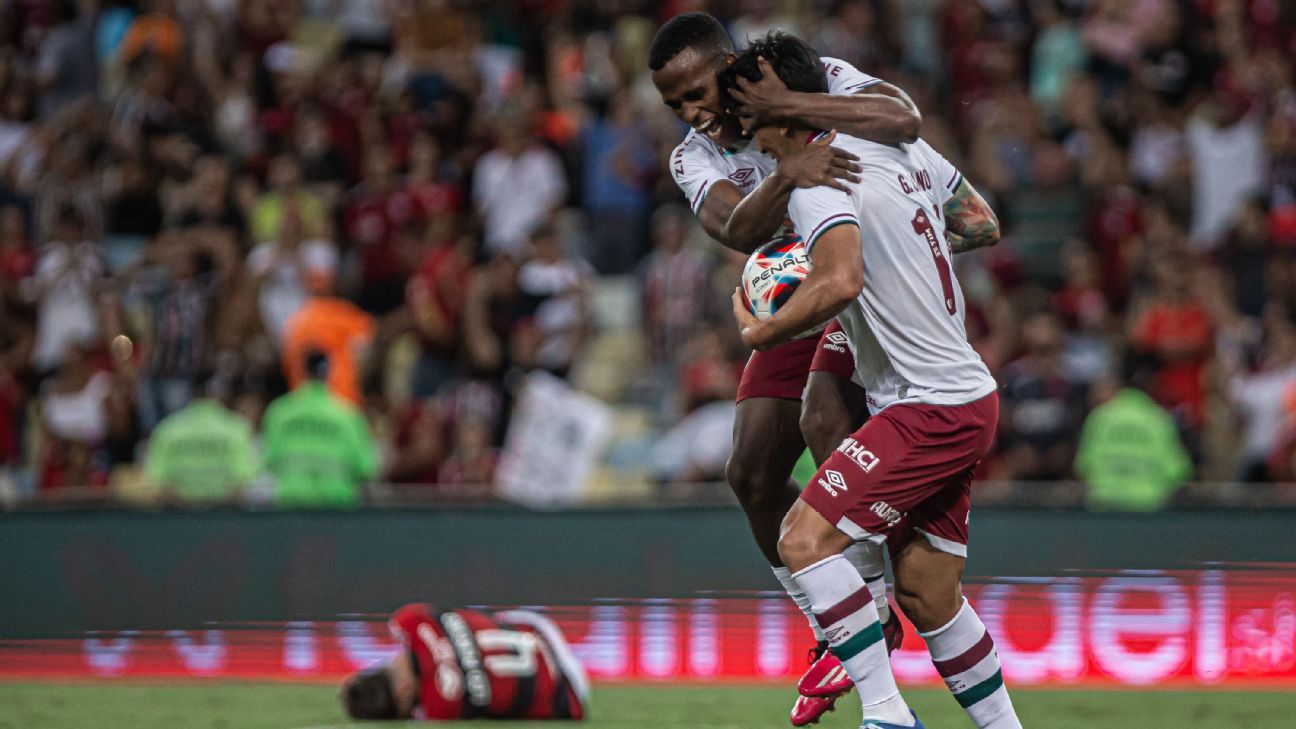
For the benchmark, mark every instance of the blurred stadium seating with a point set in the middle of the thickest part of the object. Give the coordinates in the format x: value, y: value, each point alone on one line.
x: 483, y: 182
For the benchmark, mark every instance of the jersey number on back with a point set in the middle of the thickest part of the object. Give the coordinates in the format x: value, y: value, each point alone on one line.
x: 508, y: 653
x: 922, y: 226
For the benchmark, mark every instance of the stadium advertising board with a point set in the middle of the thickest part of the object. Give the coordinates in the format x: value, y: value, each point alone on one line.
x: 1210, y: 627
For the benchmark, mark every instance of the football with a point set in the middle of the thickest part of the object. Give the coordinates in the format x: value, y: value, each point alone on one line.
x: 772, y: 273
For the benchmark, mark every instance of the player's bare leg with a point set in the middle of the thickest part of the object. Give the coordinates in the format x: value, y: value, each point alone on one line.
x: 929, y: 590
x: 767, y: 443
x: 813, y: 547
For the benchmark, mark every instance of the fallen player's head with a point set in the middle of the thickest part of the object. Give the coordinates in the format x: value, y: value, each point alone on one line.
x: 686, y: 54
x: 389, y: 691
x: 797, y: 65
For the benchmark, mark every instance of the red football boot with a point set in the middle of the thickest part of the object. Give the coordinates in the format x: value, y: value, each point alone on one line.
x: 826, y: 678
x: 810, y: 709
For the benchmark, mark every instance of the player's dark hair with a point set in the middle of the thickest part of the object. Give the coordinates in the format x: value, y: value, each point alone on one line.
x: 370, y: 696
x: 794, y: 61
x: 317, y: 365
x: 699, y: 31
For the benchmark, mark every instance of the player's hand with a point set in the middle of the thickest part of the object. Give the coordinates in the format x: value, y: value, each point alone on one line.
x: 748, y: 324
x: 764, y: 99
x: 819, y: 163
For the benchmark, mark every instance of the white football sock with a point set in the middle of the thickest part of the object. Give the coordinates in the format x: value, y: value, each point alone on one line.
x: 844, y: 608
x: 867, y: 558
x: 799, y: 597
x: 965, y: 656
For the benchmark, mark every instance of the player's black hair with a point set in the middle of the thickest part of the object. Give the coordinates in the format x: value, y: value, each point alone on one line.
x: 795, y: 62
x: 317, y: 365
x: 700, y: 31
x: 370, y: 696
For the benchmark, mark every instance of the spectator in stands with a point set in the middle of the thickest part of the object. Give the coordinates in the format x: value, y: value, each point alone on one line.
x: 374, y: 212
x: 288, y: 269
x: 318, y: 447
x: 74, y: 421
x: 177, y: 288
x: 556, y: 287
x: 435, y: 298
x: 341, y: 331
x: 1226, y: 145
x: 517, y: 186
x: 1130, y: 455
x: 672, y: 286
x: 1039, y: 406
x: 66, y: 280
x: 620, y: 160
x: 287, y: 195
x: 494, y: 310
x: 1260, y: 397
x: 1173, y: 330
x: 204, y: 453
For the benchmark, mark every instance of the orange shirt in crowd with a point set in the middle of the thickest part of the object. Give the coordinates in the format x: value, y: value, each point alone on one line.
x: 335, y: 327
x: 154, y: 32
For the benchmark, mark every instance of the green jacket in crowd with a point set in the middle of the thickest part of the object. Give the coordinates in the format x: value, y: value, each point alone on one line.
x: 1130, y: 454
x: 203, y: 451
x: 318, y: 448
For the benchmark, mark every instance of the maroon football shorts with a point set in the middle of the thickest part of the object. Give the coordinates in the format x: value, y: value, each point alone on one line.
x: 782, y: 371
x: 907, y: 471
x: 834, y: 354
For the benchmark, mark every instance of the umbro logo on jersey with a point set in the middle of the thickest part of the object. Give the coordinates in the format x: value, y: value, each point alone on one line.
x: 834, y: 481
x: 742, y: 176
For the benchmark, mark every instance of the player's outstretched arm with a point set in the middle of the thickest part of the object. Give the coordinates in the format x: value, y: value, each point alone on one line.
x: 880, y: 113
x: 834, y: 281
x: 970, y: 223
x: 746, y: 223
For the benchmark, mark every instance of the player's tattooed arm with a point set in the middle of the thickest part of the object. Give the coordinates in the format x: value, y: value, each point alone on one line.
x: 970, y: 223
x: 834, y: 281
x: 880, y: 113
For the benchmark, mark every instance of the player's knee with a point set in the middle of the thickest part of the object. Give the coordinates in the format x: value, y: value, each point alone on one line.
x: 800, y: 546
x: 822, y: 431
x: 927, y: 603
x: 755, y: 487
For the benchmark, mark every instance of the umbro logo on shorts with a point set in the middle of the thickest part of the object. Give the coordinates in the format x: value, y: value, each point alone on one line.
x: 836, y: 342
x: 835, y: 481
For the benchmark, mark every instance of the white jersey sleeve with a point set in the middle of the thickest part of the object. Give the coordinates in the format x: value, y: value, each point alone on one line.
x: 816, y: 210
x: 946, y: 176
x: 695, y: 169
x: 844, y: 79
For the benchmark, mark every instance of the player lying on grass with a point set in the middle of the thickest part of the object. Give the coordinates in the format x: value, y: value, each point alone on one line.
x: 464, y: 664
x: 880, y: 258
x: 740, y: 197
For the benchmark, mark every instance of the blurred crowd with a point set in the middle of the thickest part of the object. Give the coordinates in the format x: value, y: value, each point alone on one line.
x: 207, y: 204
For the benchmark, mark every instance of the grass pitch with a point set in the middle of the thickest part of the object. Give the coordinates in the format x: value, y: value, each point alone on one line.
x: 201, y: 705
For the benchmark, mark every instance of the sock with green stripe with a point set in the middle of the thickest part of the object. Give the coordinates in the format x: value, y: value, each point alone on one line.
x: 867, y: 558
x: 844, y: 608
x: 964, y: 655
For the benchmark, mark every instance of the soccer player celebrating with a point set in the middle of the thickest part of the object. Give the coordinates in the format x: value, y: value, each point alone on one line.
x: 740, y: 196
x: 880, y: 257
x: 463, y: 664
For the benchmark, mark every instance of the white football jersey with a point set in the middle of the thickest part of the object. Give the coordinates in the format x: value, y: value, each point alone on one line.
x: 906, y: 327
x: 698, y: 162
